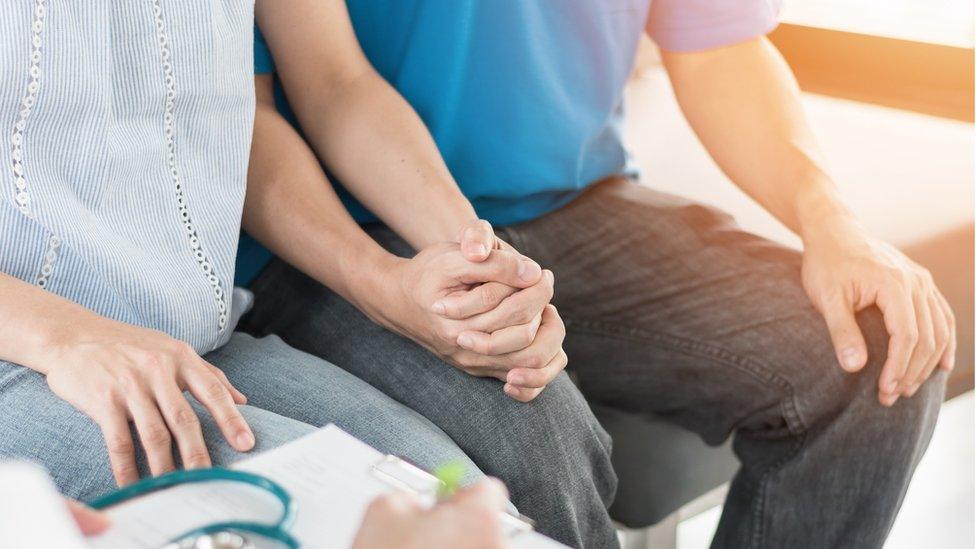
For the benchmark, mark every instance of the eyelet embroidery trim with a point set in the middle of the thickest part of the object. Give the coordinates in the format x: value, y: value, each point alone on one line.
x: 199, y: 254
x: 50, y: 257
x: 22, y: 198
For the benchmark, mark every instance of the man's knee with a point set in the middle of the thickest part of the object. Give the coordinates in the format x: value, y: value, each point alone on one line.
x: 554, y: 442
x: 833, y: 392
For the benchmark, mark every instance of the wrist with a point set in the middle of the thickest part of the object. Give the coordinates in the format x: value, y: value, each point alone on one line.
x: 378, y: 291
x: 820, y: 213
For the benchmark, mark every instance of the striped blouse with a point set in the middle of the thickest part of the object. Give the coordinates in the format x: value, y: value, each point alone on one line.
x: 125, y: 129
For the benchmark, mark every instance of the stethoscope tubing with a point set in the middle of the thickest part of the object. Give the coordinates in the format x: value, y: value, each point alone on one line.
x: 277, y: 530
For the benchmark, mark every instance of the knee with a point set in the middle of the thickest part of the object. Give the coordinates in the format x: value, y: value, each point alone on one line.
x: 836, y: 393
x: 556, y: 441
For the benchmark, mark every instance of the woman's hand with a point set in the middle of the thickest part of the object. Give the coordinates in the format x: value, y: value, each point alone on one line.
x: 116, y: 373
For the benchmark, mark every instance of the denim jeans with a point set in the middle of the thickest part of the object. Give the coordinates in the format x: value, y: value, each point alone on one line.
x: 290, y: 394
x: 671, y: 311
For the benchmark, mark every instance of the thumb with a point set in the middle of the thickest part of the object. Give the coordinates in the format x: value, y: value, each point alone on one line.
x: 477, y: 239
x: 89, y: 521
x: 846, y: 335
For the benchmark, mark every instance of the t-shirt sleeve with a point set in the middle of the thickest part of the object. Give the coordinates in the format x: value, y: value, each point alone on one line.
x: 693, y: 25
x: 263, y: 63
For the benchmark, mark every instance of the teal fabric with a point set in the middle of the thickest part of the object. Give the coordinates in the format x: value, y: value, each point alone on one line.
x: 524, y: 98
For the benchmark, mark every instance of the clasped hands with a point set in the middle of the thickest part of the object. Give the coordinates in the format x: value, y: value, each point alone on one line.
x: 483, y: 307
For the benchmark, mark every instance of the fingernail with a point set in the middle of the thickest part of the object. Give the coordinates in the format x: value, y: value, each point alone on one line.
x: 245, y: 440
x: 439, y: 307
x: 516, y: 379
x: 851, y: 358
x: 891, y: 387
x: 480, y: 250
x: 528, y: 270
x: 464, y: 340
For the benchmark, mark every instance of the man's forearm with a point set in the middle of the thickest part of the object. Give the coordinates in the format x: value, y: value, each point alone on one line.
x: 744, y: 105
x: 292, y: 209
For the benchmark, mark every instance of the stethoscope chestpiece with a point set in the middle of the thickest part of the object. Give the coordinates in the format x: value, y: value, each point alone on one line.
x: 216, y: 540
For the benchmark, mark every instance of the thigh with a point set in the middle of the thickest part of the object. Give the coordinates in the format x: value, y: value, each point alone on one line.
x: 672, y: 309
x: 504, y: 437
x: 38, y: 426
x: 308, y: 389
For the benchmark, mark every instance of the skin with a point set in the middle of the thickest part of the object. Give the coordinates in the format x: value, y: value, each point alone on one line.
x: 116, y: 373
x: 493, y: 321
x: 744, y: 104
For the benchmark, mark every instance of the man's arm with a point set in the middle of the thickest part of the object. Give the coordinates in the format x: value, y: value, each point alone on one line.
x: 359, y: 125
x: 291, y: 208
x: 743, y: 103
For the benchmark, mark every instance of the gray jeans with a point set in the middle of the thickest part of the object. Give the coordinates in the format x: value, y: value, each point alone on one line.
x: 674, y: 311
x: 290, y: 394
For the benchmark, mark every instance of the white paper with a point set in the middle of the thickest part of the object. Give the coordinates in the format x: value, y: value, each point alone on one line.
x: 328, y: 474
x: 32, y: 513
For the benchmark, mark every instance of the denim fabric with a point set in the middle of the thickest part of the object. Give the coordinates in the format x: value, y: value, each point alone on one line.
x: 551, y: 452
x: 673, y: 310
x: 290, y: 394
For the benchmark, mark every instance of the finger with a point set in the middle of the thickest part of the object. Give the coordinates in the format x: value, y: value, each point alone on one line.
x: 480, y: 299
x: 477, y: 240
x: 153, y: 432
x: 852, y: 352
x: 943, y: 338
x: 89, y: 521
x: 118, y: 442
x: 504, y: 341
x: 516, y: 309
x: 216, y: 398
x: 943, y: 335
x: 899, y: 318
x: 547, y: 344
x: 507, y: 267
x: 538, y: 378
x: 185, y: 426
x: 948, y: 360
x: 521, y: 394
x: 489, y: 493
x: 924, y: 352
x: 238, y: 396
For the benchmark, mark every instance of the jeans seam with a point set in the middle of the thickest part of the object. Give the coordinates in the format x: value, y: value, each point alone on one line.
x: 751, y: 367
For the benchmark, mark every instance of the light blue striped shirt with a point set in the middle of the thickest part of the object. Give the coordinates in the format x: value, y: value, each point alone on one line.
x: 125, y: 129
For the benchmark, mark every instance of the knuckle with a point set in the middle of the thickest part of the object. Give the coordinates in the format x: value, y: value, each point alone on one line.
x: 185, y: 418
x: 491, y: 295
x: 197, y: 456
x: 215, y: 390
x: 533, y: 360
x: 125, y: 470
x: 156, y: 434
x: 120, y: 444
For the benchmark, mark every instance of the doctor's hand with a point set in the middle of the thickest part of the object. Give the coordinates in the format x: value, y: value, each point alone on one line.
x: 469, y: 520
x: 845, y: 271
x: 116, y: 373
x: 89, y: 521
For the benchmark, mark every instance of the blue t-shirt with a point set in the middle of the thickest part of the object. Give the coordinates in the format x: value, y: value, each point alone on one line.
x: 524, y: 97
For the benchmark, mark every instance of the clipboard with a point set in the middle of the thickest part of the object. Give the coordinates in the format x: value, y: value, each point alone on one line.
x: 332, y: 478
x: 403, y: 475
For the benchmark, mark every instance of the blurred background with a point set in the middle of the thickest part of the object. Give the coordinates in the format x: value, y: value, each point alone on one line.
x: 888, y: 86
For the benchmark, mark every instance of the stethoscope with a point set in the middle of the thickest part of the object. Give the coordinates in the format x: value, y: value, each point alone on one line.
x: 219, y: 535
